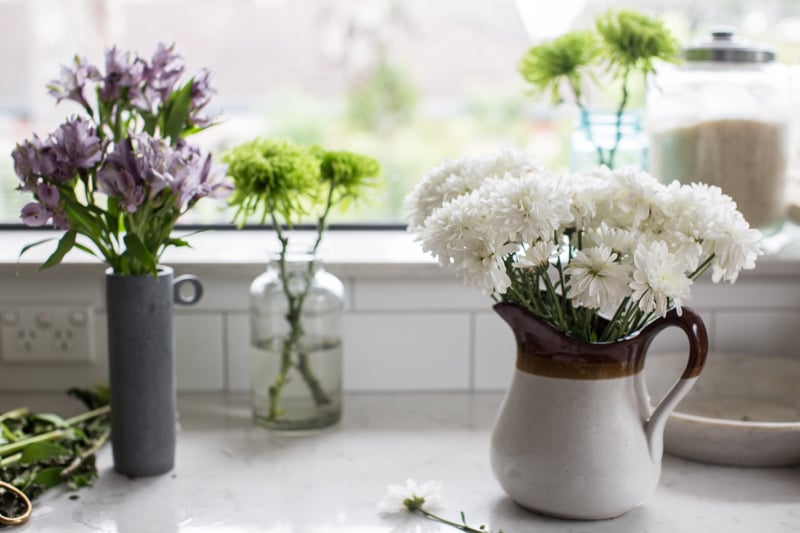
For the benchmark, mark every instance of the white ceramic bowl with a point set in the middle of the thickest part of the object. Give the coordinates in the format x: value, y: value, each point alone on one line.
x: 743, y: 411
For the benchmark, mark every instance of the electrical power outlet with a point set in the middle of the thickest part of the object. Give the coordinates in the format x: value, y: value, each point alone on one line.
x: 33, y: 333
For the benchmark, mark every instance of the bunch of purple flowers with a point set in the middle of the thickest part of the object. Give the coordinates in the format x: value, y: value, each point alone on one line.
x: 122, y: 176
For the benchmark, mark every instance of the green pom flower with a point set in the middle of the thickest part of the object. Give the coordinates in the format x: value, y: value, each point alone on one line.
x: 273, y: 177
x: 564, y: 59
x: 632, y: 41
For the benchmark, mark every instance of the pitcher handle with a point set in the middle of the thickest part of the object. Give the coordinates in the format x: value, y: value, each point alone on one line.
x: 691, y: 323
x: 187, y: 280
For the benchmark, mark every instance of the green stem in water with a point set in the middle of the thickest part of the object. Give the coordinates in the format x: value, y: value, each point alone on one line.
x: 620, y: 110
x: 293, y: 342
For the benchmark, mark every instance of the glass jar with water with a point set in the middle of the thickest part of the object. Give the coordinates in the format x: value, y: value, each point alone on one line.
x: 295, y: 335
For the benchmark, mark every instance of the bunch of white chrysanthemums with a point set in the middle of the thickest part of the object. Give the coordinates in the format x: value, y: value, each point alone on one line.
x: 613, y: 243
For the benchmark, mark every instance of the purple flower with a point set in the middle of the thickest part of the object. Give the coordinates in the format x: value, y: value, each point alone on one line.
x: 27, y: 162
x: 201, y: 96
x: 72, y: 146
x: 165, y: 70
x: 35, y: 214
x: 121, y: 72
x: 160, y: 77
x: 48, y: 195
x: 77, y: 145
x: 136, y: 170
x: 196, y: 176
x: 34, y: 159
x: 72, y: 82
x: 119, y: 177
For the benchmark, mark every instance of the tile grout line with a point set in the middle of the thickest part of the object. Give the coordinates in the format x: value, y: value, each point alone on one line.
x: 472, y: 351
x: 226, y: 385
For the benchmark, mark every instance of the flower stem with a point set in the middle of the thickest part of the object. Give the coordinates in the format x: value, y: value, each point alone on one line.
x: 88, y: 415
x: 461, y: 527
x: 20, y: 444
x: 620, y: 110
x: 293, y: 342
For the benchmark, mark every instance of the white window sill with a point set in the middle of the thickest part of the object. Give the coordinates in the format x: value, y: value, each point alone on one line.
x: 356, y: 253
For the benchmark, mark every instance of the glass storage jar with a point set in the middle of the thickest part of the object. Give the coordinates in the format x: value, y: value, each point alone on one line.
x: 722, y: 117
x: 295, y: 335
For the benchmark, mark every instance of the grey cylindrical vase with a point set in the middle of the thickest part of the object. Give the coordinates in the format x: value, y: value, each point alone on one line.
x: 141, y: 352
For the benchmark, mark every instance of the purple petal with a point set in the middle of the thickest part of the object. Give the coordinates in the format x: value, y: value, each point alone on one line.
x: 35, y: 214
x: 48, y: 195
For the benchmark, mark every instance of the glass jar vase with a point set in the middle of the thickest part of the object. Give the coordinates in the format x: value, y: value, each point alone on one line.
x: 295, y: 335
x: 603, y: 138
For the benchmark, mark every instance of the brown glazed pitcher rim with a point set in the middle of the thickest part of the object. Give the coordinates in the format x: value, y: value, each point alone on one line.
x: 545, y: 351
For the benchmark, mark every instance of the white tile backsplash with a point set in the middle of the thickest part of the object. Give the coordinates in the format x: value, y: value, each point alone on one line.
x: 495, y: 352
x: 417, y: 295
x: 199, y: 352
x: 404, y: 329
x: 406, y: 351
x: 237, y: 343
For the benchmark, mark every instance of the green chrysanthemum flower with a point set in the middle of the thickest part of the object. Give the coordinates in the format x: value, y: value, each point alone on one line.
x: 563, y: 59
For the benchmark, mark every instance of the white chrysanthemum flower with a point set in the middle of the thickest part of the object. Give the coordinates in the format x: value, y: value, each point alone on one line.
x: 451, y: 225
x: 688, y: 250
x: 463, y: 234
x: 632, y: 195
x: 537, y: 256
x: 480, y: 262
x: 588, y: 190
x: 453, y: 179
x: 596, y: 279
x: 736, y: 247
x: 659, y: 279
x: 621, y: 241
x: 691, y: 212
x: 529, y: 208
x: 516, y: 163
x: 411, y: 496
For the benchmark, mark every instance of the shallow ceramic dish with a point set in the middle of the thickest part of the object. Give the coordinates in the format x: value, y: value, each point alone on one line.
x: 744, y: 409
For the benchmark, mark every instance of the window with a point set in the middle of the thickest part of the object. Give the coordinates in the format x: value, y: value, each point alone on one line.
x: 410, y: 82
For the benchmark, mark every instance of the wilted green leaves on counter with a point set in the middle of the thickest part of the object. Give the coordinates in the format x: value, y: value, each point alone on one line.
x: 39, y: 451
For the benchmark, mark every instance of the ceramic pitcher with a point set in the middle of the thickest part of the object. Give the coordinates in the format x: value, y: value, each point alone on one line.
x: 576, y: 436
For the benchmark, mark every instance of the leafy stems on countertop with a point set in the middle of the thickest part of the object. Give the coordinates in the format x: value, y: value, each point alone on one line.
x: 39, y: 451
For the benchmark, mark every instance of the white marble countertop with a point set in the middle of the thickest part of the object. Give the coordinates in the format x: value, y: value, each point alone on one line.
x: 233, y: 477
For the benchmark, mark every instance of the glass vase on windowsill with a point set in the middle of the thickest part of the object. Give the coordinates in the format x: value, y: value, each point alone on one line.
x: 603, y: 138
x: 296, y: 305
x: 296, y: 346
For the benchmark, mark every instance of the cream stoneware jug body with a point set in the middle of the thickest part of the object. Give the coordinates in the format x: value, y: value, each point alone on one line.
x: 576, y: 436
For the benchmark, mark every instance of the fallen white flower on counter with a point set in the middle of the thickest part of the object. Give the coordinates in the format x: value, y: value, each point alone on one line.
x: 416, y: 498
x: 411, y: 496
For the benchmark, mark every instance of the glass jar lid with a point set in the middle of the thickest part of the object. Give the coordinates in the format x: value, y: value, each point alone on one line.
x: 725, y: 47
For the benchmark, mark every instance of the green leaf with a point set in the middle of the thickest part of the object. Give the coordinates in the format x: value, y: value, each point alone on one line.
x: 64, y: 245
x: 50, y: 418
x: 88, y: 224
x: 178, y: 243
x: 88, y: 250
x: 178, y: 112
x: 48, y: 478
x: 140, y: 253
x: 42, y: 451
x: 33, y: 244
